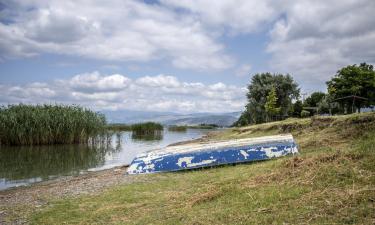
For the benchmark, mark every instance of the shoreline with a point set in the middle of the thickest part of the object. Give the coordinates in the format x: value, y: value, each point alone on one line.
x: 91, y: 172
x: 29, y: 198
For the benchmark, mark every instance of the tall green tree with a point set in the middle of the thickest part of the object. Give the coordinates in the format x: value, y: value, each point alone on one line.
x: 259, y: 88
x: 354, y: 80
x: 270, y: 105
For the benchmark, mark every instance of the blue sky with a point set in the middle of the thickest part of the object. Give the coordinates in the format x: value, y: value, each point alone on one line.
x: 173, y: 55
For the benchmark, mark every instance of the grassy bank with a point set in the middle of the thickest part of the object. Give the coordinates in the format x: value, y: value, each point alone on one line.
x: 331, y: 182
x: 48, y: 124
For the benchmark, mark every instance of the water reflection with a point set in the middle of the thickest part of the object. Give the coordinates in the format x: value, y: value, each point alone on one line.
x: 24, y: 165
x: 156, y: 136
x: 20, y: 163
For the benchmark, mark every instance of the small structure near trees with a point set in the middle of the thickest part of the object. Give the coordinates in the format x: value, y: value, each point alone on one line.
x: 351, y: 103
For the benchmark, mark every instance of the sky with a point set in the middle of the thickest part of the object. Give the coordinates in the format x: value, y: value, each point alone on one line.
x: 174, y: 55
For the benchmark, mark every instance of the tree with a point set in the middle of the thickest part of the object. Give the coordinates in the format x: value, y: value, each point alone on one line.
x: 314, y: 99
x: 324, y: 105
x: 297, y: 108
x: 259, y: 88
x: 354, y: 80
x: 270, y: 105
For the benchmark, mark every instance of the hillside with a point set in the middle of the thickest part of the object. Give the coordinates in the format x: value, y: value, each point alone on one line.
x: 331, y: 181
x: 168, y: 118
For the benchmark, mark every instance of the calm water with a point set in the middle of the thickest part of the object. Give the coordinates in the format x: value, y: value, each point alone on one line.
x: 25, y: 165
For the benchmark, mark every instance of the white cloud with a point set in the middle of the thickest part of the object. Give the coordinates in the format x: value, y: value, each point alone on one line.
x: 316, y: 38
x: 148, y: 93
x: 158, y: 81
x: 112, y: 30
x: 241, y: 16
x: 95, y: 82
x: 308, y: 39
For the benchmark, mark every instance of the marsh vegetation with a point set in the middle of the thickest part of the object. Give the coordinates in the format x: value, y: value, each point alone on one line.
x: 49, y: 124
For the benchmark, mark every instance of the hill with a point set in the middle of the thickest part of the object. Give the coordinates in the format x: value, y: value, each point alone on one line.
x: 168, y: 118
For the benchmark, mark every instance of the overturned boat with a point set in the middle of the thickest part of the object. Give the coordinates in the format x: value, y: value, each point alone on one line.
x: 189, y: 156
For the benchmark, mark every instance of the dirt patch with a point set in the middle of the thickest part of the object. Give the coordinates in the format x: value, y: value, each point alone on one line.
x: 210, y: 195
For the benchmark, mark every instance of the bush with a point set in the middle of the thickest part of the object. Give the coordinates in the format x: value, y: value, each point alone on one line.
x: 305, y: 113
x: 147, y: 128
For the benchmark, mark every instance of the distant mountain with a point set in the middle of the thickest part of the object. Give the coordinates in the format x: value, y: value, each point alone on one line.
x: 218, y: 119
x: 170, y: 118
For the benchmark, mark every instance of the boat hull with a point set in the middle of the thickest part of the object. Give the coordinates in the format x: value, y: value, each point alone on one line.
x: 213, y: 154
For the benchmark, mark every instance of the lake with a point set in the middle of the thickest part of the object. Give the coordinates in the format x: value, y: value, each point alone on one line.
x: 25, y: 165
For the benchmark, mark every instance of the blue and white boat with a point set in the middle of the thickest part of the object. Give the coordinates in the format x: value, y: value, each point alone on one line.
x: 190, y: 156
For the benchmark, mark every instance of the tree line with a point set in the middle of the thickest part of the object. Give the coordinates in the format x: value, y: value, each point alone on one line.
x: 274, y: 97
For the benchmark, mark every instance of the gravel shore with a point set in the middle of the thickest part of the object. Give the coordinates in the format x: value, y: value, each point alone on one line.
x: 17, y: 203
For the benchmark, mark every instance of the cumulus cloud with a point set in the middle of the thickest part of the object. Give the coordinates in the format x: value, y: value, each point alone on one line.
x: 308, y: 39
x: 316, y: 38
x: 113, y: 30
x: 94, y: 82
x: 241, y: 16
x: 116, y: 91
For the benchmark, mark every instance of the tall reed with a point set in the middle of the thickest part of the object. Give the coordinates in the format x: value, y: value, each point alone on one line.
x: 49, y: 124
x: 148, y: 128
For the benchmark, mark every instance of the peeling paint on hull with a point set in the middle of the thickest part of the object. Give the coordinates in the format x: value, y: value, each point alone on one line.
x: 214, y: 153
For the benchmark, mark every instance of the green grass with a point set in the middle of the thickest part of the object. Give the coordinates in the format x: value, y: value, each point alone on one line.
x: 48, y: 124
x: 332, y: 181
x: 203, y: 126
x: 118, y: 127
x: 176, y: 128
x: 148, y: 128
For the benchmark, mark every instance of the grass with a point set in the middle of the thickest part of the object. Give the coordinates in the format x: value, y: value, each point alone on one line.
x: 145, y: 129
x: 118, y: 127
x: 332, y: 181
x: 203, y: 126
x: 176, y: 128
x: 48, y: 124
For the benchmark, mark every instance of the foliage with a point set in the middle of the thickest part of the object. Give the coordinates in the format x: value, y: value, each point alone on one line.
x: 243, y: 120
x: 270, y: 105
x: 297, y: 108
x: 324, y: 106
x: 177, y: 128
x: 204, y: 126
x: 259, y: 88
x: 48, y: 124
x: 305, y: 113
x: 314, y: 99
x: 119, y: 127
x: 147, y: 128
x: 354, y: 80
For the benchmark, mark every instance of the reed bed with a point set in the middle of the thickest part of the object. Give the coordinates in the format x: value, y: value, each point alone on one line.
x: 148, y: 128
x: 204, y: 126
x: 176, y: 128
x: 49, y: 124
x: 118, y: 127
